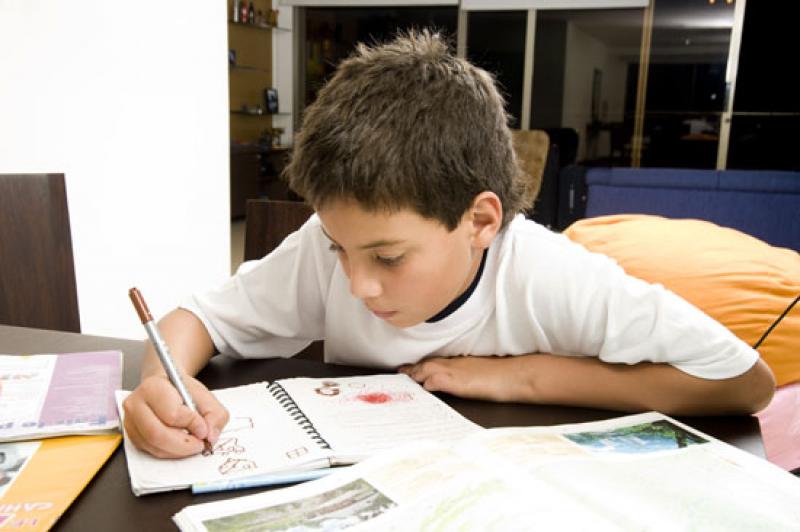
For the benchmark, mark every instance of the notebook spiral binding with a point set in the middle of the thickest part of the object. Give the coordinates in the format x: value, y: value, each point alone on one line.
x: 288, y: 404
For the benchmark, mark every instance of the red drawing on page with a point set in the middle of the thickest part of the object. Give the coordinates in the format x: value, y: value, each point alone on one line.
x: 378, y: 398
x: 375, y: 398
x: 235, y: 465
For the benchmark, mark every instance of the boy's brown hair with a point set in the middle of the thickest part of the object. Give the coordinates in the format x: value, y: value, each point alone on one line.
x: 408, y: 125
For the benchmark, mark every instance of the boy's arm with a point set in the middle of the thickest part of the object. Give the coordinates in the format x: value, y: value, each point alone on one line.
x: 588, y: 381
x: 189, y: 344
x: 156, y: 420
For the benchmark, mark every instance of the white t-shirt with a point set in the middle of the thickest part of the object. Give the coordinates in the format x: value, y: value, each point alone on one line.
x: 539, y: 292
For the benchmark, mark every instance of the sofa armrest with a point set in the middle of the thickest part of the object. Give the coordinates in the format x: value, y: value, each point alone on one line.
x: 572, y: 195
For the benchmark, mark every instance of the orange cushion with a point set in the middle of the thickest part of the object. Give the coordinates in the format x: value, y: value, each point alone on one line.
x: 742, y: 282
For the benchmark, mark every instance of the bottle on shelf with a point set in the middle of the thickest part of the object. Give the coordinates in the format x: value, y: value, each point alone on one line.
x: 251, y: 14
x: 236, y: 10
x: 243, y: 12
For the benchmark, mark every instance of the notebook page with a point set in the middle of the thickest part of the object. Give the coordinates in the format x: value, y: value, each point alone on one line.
x: 260, y: 437
x: 359, y: 416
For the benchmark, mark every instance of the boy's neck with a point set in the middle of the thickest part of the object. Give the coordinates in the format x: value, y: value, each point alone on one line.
x: 464, y: 296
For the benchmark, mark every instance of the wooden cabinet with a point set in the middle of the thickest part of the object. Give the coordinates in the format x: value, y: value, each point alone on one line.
x: 255, y: 173
x: 254, y: 164
x: 250, y: 73
x: 245, y: 173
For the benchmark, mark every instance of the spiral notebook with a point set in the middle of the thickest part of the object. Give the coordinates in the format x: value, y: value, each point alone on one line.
x: 298, y: 424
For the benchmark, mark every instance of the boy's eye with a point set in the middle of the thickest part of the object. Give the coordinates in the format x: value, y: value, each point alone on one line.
x: 389, y: 261
x: 382, y: 259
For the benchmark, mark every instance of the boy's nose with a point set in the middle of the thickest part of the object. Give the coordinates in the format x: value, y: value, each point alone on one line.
x: 363, y: 285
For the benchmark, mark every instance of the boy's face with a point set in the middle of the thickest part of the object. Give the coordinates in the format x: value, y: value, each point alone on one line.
x: 403, y: 267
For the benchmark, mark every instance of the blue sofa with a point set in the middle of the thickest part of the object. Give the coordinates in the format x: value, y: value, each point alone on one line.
x: 762, y: 203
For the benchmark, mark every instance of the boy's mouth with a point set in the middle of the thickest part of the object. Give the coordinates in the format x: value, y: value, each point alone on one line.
x: 384, y: 314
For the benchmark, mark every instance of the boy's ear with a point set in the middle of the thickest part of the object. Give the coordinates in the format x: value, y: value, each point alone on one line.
x: 486, y: 217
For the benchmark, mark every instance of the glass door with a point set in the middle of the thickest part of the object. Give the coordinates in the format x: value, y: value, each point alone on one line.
x: 686, y: 83
x: 585, y: 72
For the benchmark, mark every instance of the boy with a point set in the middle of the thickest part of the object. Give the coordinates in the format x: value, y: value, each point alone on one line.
x: 415, y: 260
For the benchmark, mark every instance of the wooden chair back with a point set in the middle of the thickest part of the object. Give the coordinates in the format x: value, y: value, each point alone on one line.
x: 37, y: 270
x: 531, y: 148
x: 268, y: 222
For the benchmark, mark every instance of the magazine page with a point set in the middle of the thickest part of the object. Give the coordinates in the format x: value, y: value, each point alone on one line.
x: 40, y: 479
x: 632, y: 473
x: 52, y: 395
x: 360, y: 416
x: 648, y: 471
x: 260, y: 437
x: 414, y: 487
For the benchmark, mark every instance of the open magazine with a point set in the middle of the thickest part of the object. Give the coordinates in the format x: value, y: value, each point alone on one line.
x: 48, y: 395
x: 298, y: 424
x: 637, y: 472
x: 40, y: 479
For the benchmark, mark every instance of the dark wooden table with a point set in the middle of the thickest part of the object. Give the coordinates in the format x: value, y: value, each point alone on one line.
x: 107, y: 503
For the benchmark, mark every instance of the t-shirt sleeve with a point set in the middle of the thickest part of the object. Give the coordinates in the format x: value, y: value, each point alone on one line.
x: 275, y: 306
x: 599, y: 310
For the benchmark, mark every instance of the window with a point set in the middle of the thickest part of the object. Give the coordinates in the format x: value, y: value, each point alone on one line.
x: 496, y: 43
x: 585, y: 69
x: 332, y: 34
x: 686, y: 83
x: 766, y: 108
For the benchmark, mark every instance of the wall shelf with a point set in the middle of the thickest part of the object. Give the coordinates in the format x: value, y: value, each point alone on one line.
x: 265, y: 27
x: 248, y: 68
x: 248, y: 113
x: 254, y: 163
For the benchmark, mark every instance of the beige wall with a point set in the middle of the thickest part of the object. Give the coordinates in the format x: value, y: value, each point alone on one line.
x: 584, y: 53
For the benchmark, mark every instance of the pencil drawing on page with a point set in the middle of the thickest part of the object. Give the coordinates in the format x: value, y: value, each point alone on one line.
x: 235, y: 465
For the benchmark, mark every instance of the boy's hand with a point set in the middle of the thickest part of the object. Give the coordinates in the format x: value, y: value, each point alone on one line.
x: 491, y: 378
x: 157, y: 421
x: 587, y: 381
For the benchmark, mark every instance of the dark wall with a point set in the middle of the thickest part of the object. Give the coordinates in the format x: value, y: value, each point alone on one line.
x: 548, y: 76
x: 767, y: 90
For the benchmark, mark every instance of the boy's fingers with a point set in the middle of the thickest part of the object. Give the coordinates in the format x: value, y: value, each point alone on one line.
x: 143, y: 444
x: 412, y: 370
x: 216, y: 417
x: 161, y: 399
x: 462, y: 376
x: 431, y: 375
x: 216, y: 421
x: 440, y: 381
x: 169, y: 408
x: 214, y: 414
x: 422, y: 371
x: 149, y: 433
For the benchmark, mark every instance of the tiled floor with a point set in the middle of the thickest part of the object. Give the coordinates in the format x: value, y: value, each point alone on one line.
x: 237, y: 244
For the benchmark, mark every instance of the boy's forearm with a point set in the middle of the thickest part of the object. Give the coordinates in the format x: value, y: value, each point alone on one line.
x: 188, y: 340
x: 584, y: 381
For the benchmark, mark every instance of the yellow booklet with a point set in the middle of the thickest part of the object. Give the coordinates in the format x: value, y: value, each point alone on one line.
x: 40, y: 479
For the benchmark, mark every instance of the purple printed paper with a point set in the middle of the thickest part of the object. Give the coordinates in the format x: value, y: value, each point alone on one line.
x: 82, y: 389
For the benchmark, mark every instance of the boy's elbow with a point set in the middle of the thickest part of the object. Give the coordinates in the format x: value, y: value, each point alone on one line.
x: 759, y: 387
